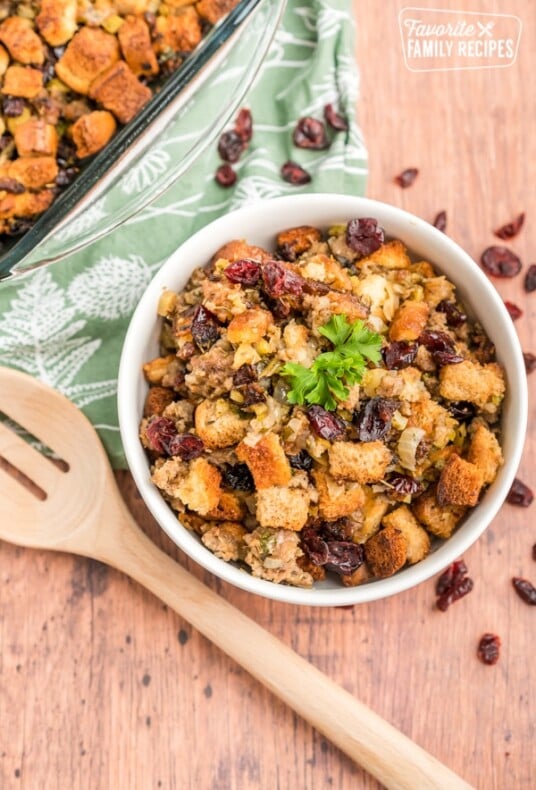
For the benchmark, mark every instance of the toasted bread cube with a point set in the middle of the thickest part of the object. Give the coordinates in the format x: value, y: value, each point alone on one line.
x: 336, y: 498
x: 56, y: 21
x: 359, y: 576
x: 4, y: 60
x: 436, y: 289
x: 471, y: 381
x: 36, y: 138
x: 135, y: 41
x: 200, y: 490
x: 364, y: 462
x: 219, y: 424
x: 409, y: 320
x: 119, y: 91
x: 22, y: 81
x: 392, y: 255
x: 374, y: 509
x: 178, y: 33
x: 156, y: 400
x: 213, y: 10
x: 33, y: 172
x: 155, y: 370
x: 226, y: 540
x: 423, y: 268
x: 460, y: 483
x: 229, y: 508
x: 239, y: 249
x: 386, y: 552
x: 417, y: 539
x: 27, y: 204
x: 325, y: 269
x: 440, y: 520
x: 280, y: 506
x: 249, y: 326
x: 485, y: 453
x: 438, y: 423
x: 91, y: 132
x: 266, y: 461
x: 138, y: 7
x: 22, y: 41
x: 90, y: 52
x: 293, y: 242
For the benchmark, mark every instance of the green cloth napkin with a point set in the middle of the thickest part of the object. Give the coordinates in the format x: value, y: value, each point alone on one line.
x: 65, y: 324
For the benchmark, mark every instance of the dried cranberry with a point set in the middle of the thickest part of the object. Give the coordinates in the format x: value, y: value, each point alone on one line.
x: 511, y: 229
x: 244, y: 125
x: 205, y: 328
x: 488, y: 649
x: 441, y: 346
x: 252, y: 393
x: 403, y: 486
x: 515, y: 311
x: 530, y: 279
x: 5, y: 140
x: 315, y: 287
x: 66, y: 153
x: 66, y: 176
x: 399, y: 354
x: 519, y: 494
x: 530, y: 361
x: 454, y: 315
x: 301, y: 460
x: 406, y: 178
x: 315, y: 548
x: 13, y: 106
x: 310, y: 133
x: 454, y: 593
x: 452, y: 585
x: 245, y: 272
x: 534, y: 552
x: 374, y: 419
x: 440, y: 221
x: 11, y: 185
x: 364, y: 235
x: 278, y: 280
x: 325, y: 424
x: 238, y: 477
x: 335, y: 119
x: 525, y: 589
x: 294, y: 173
x: 500, y: 262
x: 244, y: 375
x: 159, y: 432
x: 454, y: 573
x: 344, y: 557
x: 186, y: 446
x: 225, y: 176
x: 230, y: 146
x: 462, y: 410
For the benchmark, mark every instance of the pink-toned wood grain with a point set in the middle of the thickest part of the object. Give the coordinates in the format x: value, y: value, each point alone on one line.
x: 102, y: 687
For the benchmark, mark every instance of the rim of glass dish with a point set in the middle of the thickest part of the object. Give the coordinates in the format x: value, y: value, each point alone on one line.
x: 71, y: 204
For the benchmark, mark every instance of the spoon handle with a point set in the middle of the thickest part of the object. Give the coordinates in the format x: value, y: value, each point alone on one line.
x: 387, y: 754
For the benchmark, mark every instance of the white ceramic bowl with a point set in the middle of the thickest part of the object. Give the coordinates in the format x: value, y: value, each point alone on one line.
x: 259, y: 224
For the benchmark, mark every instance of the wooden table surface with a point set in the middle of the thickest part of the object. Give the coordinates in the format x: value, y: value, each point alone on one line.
x: 102, y: 687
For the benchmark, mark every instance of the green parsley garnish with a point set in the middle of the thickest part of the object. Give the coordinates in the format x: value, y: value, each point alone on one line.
x: 333, y: 372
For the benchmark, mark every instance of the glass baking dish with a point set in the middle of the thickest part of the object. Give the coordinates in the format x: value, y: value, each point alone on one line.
x: 159, y: 145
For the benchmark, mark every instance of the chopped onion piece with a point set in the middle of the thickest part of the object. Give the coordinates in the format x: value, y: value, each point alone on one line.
x: 410, y: 439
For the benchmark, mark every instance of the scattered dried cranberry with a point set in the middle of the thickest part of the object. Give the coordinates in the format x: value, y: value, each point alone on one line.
x: 511, y: 229
x: 515, y: 311
x: 364, y: 235
x: 534, y: 552
x: 500, y: 262
x: 462, y: 410
x: 301, y: 460
x: 335, y: 119
x: 403, y: 486
x: 453, y: 594
x: 225, y: 176
x: 186, y: 446
x: 530, y: 279
x: 159, y: 432
x: 244, y: 375
x: 454, y: 573
x: 238, y: 477
x: 13, y: 106
x: 230, y: 146
x: 310, y: 133
x: 399, y: 354
x: 441, y: 346
x: 454, y: 315
x: 519, y: 494
x: 440, y: 221
x: 12, y: 186
x: 205, y: 328
x: 452, y: 585
x: 374, y: 419
x: 530, y: 361
x: 278, y: 280
x: 525, y: 589
x: 325, y: 424
x: 245, y: 272
x: 244, y: 125
x: 406, y: 178
x: 488, y: 649
x: 293, y: 173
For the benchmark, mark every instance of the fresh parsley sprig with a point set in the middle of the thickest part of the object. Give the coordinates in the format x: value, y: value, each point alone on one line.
x: 333, y: 372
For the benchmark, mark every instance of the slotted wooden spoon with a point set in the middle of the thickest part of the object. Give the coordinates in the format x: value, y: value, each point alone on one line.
x: 83, y: 513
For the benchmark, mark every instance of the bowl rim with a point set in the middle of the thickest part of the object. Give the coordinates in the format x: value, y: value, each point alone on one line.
x: 143, y: 323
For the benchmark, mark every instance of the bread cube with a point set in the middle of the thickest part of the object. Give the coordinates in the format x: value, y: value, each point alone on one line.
x: 229, y: 508
x: 239, y: 249
x: 33, y: 172
x: 156, y: 400
x: 91, y: 132
x: 36, y: 138
x: 249, y: 326
x: 417, y: 539
x: 90, y: 52
x: 266, y: 461
x: 213, y: 10
x: 386, y: 552
x: 22, y: 41
x: 219, y: 424
x: 178, y: 33
x: 155, y: 370
x: 22, y: 81
x: 359, y: 576
x: 284, y: 507
x: 364, y: 462
x: 293, y: 242
x: 460, y: 483
x: 135, y: 41
x: 479, y: 384
x: 392, y: 255
x: 409, y: 320
x: 485, y: 453
x: 374, y: 509
x: 336, y: 498
x: 119, y: 91
x: 440, y: 520
x: 56, y: 21
x: 26, y: 204
x: 200, y: 490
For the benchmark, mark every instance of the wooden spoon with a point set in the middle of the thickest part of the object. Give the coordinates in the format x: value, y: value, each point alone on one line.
x: 83, y: 513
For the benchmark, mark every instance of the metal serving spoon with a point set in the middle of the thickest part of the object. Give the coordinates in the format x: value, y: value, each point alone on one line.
x: 81, y: 511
